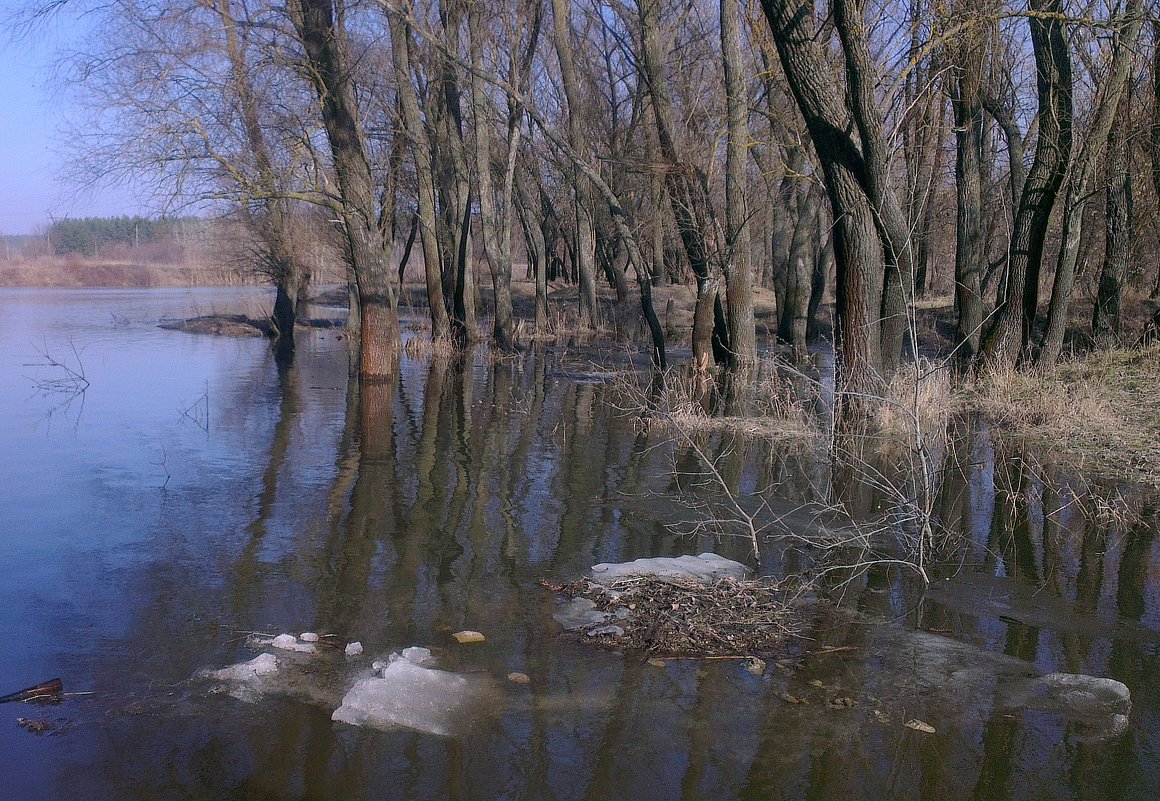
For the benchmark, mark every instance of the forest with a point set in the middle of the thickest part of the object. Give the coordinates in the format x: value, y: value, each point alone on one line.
x: 870, y: 152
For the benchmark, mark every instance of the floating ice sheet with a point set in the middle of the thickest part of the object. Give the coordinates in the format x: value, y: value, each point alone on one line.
x: 411, y: 696
x: 706, y: 567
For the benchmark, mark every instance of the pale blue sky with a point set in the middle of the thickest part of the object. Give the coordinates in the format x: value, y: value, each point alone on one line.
x: 31, y: 193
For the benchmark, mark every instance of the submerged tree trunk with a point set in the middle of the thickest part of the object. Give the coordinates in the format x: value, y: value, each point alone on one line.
x: 691, y: 204
x: 271, y: 221
x: 322, y: 43
x: 528, y: 207
x: 858, y: 245
x: 495, y: 209
x: 793, y: 324
x: 970, y: 244
x: 421, y: 148
x: 455, y: 190
x: 584, y: 254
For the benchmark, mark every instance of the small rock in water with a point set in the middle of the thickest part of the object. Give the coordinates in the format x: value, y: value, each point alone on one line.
x: 919, y: 725
x: 308, y: 636
x: 468, y: 636
x: 35, y: 726
x: 519, y: 678
x: 287, y: 642
x: 353, y: 649
x: 755, y: 665
x: 578, y: 613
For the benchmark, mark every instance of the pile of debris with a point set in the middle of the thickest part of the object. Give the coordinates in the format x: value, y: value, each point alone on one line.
x: 688, y: 606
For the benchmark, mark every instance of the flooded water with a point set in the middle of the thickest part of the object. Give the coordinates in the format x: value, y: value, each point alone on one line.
x: 193, y: 493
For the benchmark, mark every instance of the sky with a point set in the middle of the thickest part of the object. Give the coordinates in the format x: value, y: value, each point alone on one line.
x: 31, y: 191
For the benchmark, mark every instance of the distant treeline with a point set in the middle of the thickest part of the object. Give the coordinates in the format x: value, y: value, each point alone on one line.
x: 87, y: 235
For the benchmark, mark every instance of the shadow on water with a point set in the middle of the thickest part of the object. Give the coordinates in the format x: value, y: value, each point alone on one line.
x: 397, y: 513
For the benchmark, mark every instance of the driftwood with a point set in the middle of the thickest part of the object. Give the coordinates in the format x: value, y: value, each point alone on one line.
x: 50, y: 690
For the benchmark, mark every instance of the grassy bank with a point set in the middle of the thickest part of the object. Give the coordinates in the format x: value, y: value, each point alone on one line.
x: 74, y: 272
x: 1099, y: 412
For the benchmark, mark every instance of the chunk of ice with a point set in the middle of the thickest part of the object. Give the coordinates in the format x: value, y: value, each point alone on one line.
x: 419, y: 656
x: 262, y: 665
x: 354, y: 648
x: 308, y: 636
x: 410, y: 696
x: 288, y: 642
x: 706, y: 567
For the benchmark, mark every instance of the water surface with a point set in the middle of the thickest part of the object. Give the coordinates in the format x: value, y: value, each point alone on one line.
x: 194, y: 492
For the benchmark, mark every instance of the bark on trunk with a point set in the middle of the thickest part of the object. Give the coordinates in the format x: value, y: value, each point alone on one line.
x: 401, y: 48
x: 1082, y: 173
x: 970, y: 245
x: 858, y: 247
x: 537, y: 248
x: 738, y: 266
x: 1106, y: 321
x: 322, y: 43
x: 689, y: 195
x: 1006, y: 340
x: 585, y: 252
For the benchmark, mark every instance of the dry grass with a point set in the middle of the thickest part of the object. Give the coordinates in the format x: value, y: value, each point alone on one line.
x: 920, y: 400
x: 1098, y: 411
x: 688, y: 402
x: 424, y: 347
x: 75, y: 272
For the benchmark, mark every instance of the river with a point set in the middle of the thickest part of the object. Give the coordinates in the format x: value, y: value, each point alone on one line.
x: 189, y: 492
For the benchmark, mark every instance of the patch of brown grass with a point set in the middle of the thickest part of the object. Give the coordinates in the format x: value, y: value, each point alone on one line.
x: 777, y: 410
x: 919, y: 401
x: 424, y: 347
x: 1099, y: 410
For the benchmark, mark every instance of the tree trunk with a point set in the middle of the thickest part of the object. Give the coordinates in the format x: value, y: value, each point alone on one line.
x: 453, y: 181
x: 970, y: 245
x: 794, y: 307
x: 322, y: 43
x: 689, y: 196
x: 858, y: 250
x: 584, y: 253
x: 421, y: 148
x: 1154, y: 138
x: 495, y: 217
x: 272, y: 222
x: 738, y: 266
x: 1082, y: 172
x: 536, y: 246
x: 1006, y: 340
x: 862, y: 79
x: 1106, y: 321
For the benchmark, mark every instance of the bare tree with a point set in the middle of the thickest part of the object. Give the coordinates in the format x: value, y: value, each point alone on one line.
x: 1008, y: 336
x: 738, y: 266
x: 323, y: 43
x: 1112, y: 87
x: 585, y: 235
x: 401, y: 48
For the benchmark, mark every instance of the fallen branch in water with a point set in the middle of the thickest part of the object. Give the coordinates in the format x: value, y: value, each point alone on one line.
x: 50, y: 690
